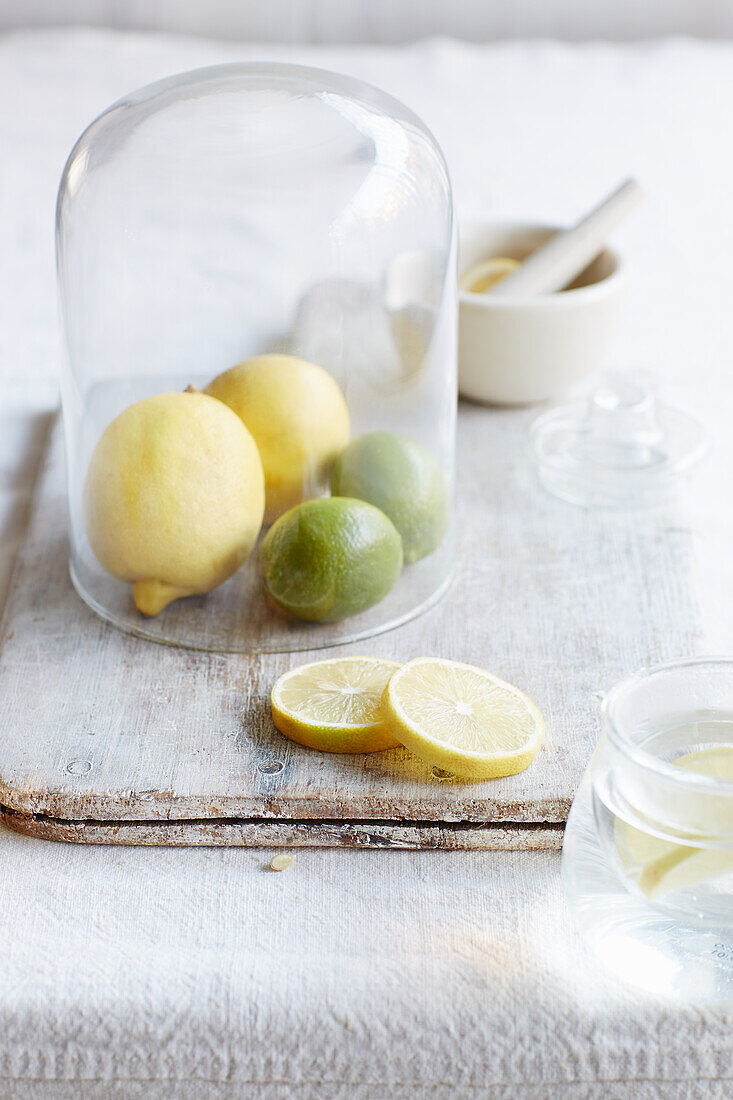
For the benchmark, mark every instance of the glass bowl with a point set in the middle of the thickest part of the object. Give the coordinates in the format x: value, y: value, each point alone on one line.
x: 244, y: 211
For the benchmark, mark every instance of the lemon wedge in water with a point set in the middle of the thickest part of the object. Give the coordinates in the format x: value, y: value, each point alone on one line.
x: 665, y: 866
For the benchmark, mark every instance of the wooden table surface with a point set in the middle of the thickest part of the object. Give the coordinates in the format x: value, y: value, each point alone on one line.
x: 118, y: 739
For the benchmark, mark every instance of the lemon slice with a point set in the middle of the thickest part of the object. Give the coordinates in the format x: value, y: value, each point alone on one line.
x: 481, y: 277
x: 663, y: 866
x: 716, y: 761
x: 334, y: 706
x: 683, y: 867
x: 462, y: 719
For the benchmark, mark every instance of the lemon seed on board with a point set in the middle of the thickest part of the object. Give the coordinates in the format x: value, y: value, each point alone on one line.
x: 281, y: 862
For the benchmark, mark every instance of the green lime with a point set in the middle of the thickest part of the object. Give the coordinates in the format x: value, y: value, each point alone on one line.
x: 327, y: 559
x: 399, y: 476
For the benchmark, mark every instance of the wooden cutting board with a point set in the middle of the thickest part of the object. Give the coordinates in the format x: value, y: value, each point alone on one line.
x: 108, y: 738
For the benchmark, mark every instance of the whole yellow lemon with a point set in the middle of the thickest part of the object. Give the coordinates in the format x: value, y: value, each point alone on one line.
x: 174, y: 497
x: 298, y: 417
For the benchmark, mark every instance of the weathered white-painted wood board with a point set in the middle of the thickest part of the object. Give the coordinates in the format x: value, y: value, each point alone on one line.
x: 110, y: 738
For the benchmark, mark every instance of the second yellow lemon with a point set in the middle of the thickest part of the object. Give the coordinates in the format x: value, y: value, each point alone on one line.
x: 298, y: 417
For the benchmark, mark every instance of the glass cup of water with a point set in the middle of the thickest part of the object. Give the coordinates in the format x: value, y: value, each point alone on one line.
x: 648, y: 855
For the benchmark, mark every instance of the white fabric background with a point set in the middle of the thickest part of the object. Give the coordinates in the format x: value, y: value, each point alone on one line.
x: 387, y: 21
x: 365, y: 975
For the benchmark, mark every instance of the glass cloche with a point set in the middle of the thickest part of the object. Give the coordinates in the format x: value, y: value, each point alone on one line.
x: 257, y: 278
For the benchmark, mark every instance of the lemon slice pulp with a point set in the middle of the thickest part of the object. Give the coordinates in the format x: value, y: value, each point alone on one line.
x: 334, y: 705
x: 462, y: 719
x: 481, y: 277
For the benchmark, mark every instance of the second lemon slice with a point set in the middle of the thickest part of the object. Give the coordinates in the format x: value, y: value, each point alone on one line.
x: 462, y: 719
x: 334, y: 705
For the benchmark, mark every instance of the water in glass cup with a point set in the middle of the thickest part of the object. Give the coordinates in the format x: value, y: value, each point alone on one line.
x: 668, y: 837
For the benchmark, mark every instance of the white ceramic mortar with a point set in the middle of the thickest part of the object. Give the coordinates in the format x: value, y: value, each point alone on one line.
x: 517, y: 351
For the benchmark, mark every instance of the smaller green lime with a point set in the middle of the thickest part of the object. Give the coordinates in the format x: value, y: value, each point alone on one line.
x: 327, y: 559
x: 399, y: 476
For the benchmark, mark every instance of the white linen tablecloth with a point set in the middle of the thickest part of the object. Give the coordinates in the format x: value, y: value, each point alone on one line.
x: 368, y: 975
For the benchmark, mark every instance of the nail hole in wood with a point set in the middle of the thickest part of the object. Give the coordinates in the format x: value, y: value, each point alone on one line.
x: 79, y: 767
x: 271, y: 767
